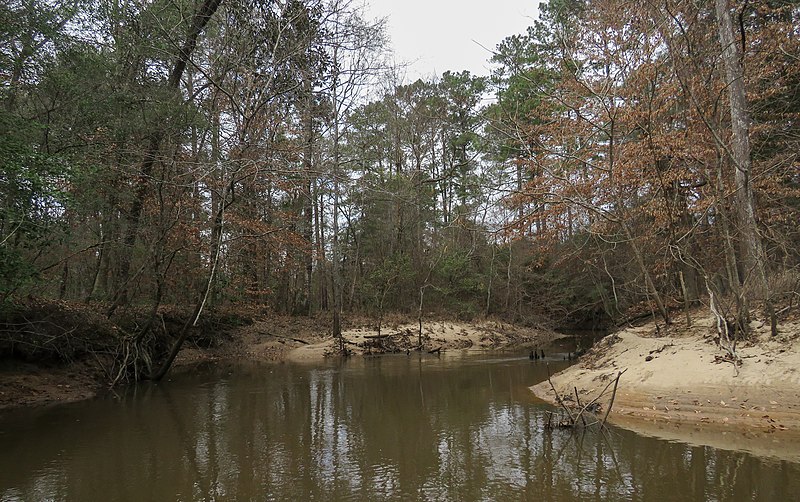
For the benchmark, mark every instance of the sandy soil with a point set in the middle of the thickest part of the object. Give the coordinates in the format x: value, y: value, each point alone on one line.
x: 436, y: 335
x: 678, y: 385
x: 269, y: 339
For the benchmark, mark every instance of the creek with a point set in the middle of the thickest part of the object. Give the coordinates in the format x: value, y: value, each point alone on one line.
x: 463, y: 426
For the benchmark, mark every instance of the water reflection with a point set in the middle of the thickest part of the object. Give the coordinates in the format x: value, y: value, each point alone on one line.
x: 403, y: 428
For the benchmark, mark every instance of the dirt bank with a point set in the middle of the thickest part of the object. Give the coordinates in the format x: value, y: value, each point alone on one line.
x: 262, y: 338
x: 678, y: 385
x: 33, y: 382
x: 26, y: 384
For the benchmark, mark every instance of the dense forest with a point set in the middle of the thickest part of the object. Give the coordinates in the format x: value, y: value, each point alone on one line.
x: 622, y: 159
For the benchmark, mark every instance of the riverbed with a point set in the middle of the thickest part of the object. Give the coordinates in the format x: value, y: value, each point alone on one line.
x: 462, y: 426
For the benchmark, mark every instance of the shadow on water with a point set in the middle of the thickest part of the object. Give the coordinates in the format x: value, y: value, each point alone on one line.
x: 401, y: 427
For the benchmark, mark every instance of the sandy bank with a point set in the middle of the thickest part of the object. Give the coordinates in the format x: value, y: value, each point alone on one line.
x: 677, y: 386
x: 436, y: 335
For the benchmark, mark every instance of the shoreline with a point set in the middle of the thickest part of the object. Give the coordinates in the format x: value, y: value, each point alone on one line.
x: 440, y: 335
x: 678, y: 386
x: 268, y: 340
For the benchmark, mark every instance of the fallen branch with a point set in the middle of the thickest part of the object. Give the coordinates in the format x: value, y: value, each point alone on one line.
x: 601, y: 394
x: 613, y: 396
x: 304, y: 342
x: 558, y: 396
x: 578, y: 400
x: 591, y: 406
x: 661, y: 349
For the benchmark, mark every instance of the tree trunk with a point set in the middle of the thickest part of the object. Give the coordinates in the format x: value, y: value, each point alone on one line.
x: 201, y: 18
x: 336, y: 279
x: 216, y: 238
x: 750, y: 242
x: 488, y: 308
x: 753, y: 257
x: 649, y: 284
x: 307, y: 203
x: 98, y: 263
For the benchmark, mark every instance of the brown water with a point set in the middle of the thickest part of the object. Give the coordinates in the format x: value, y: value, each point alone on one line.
x: 400, y: 428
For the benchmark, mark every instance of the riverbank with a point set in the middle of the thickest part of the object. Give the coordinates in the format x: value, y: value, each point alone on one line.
x: 436, y: 336
x: 262, y: 338
x: 679, y: 385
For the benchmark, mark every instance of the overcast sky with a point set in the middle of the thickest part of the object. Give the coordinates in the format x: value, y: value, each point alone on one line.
x: 440, y: 35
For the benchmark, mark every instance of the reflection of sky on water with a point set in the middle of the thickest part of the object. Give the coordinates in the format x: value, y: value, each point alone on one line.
x: 389, y: 428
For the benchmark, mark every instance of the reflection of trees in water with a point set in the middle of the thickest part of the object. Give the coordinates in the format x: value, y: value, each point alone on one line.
x: 411, y: 428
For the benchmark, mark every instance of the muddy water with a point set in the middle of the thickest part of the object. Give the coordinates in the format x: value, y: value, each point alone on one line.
x: 399, y: 428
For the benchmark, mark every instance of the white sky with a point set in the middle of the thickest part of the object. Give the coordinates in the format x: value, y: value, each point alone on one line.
x: 440, y: 35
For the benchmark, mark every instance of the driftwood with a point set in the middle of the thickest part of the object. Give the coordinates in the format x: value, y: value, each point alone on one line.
x: 613, y: 396
x: 389, y: 342
x: 578, y: 416
x: 558, y: 397
x: 304, y: 342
